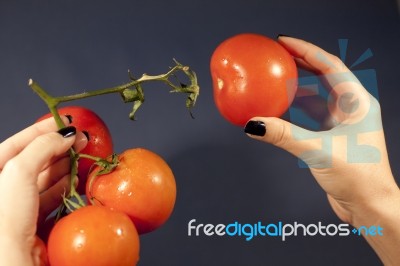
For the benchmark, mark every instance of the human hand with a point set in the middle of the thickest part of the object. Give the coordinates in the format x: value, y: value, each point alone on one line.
x: 34, y: 174
x: 349, y: 160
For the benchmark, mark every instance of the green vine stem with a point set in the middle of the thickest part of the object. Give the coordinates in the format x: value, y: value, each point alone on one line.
x: 130, y: 92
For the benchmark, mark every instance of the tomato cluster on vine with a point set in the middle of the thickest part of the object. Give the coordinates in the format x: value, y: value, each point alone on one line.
x: 137, y: 196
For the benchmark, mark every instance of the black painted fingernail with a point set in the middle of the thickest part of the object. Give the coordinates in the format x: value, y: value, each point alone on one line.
x: 67, y: 131
x: 281, y: 35
x: 86, y: 134
x: 256, y: 128
x: 69, y: 117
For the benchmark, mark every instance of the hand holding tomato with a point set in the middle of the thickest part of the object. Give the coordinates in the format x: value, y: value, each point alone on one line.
x: 23, y: 175
x: 354, y: 168
x: 140, y: 186
x: 100, y: 141
x: 42, y: 166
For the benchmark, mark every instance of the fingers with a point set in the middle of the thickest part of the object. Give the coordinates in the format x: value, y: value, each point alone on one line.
x: 283, y: 134
x: 317, y: 60
x: 304, y: 65
x: 13, y: 145
x: 81, y: 140
x: 313, y: 57
x: 314, y: 106
x: 25, y: 167
x: 53, y: 173
x: 348, y: 100
x: 52, y: 198
x: 20, y: 175
x: 59, y: 167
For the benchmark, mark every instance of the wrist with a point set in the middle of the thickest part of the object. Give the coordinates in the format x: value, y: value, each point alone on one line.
x: 382, y: 214
x: 379, y: 208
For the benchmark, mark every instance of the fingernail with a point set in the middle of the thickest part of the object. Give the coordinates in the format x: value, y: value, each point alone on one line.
x: 281, y: 35
x: 86, y: 134
x: 256, y: 128
x: 67, y: 131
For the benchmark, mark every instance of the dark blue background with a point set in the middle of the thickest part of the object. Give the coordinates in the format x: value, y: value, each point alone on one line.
x: 222, y: 175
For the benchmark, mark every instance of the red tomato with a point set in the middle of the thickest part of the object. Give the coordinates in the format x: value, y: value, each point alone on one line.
x: 94, y: 235
x: 142, y: 185
x: 100, y: 141
x: 252, y: 76
x: 39, y: 253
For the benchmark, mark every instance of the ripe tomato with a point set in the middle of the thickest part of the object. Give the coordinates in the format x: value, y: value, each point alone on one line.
x: 252, y: 76
x: 39, y: 253
x: 94, y: 235
x: 100, y: 141
x: 142, y: 185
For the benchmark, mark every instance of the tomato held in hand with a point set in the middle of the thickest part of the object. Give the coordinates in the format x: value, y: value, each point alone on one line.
x: 94, y: 235
x: 39, y: 253
x: 142, y: 186
x: 252, y: 76
x: 100, y: 141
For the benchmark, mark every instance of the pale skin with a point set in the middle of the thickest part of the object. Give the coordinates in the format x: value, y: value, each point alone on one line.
x: 34, y: 174
x: 362, y: 193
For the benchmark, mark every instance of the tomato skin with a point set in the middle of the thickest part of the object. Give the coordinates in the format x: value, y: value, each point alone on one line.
x: 142, y: 186
x: 100, y: 141
x: 39, y: 252
x: 94, y: 235
x: 252, y: 76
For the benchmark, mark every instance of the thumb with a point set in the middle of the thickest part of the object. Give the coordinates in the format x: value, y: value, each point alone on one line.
x: 282, y: 134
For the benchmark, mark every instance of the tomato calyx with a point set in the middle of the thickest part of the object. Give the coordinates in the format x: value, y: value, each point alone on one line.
x: 73, y: 201
x: 106, y: 166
